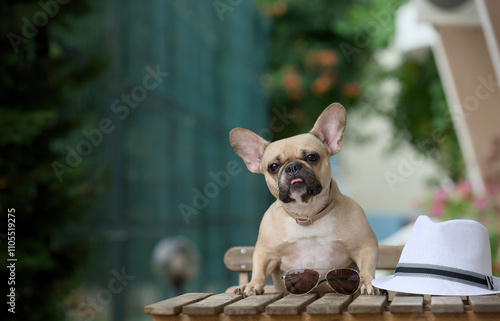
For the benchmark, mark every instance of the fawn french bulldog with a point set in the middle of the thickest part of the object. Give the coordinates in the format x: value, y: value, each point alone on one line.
x: 311, y: 224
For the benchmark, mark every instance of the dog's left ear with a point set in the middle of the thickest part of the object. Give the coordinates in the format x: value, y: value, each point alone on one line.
x: 330, y: 127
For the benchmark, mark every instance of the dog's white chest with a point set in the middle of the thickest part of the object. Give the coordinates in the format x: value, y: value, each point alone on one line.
x: 313, y: 246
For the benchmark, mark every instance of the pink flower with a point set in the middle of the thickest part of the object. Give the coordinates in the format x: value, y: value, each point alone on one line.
x: 464, y: 189
x: 441, y: 195
x: 481, y: 203
x: 437, y: 209
x: 492, y: 189
x: 292, y: 81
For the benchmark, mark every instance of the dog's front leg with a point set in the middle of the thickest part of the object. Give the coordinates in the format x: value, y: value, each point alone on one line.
x: 366, y: 260
x: 263, y: 265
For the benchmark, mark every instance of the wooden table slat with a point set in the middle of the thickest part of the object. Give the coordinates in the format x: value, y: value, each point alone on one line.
x: 407, y: 303
x: 485, y: 303
x: 206, y: 306
x: 367, y: 304
x: 447, y: 304
x: 291, y: 304
x: 330, y: 303
x: 212, y: 305
x: 174, y: 305
x: 254, y: 304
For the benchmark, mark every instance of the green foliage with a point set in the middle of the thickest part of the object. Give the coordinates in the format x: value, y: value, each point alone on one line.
x: 36, y: 88
x: 422, y: 117
x: 325, y: 51
x: 371, y: 20
x: 310, y: 62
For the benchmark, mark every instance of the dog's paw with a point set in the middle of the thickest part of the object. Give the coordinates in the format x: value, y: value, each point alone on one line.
x: 250, y: 289
x: 368, y: 289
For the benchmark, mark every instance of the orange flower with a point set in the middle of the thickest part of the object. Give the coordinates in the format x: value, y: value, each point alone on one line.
x: 292, y: 81
x: 327, y: 58
x: 351, y: 90
x: 321, y: 85
x: 496, y: 267
x: 277, y: 9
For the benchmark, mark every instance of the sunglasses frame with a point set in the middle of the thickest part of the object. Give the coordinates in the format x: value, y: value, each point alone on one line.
x: 322, y: 279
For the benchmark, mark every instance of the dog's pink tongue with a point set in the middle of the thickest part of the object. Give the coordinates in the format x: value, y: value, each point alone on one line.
x: 297, y: 180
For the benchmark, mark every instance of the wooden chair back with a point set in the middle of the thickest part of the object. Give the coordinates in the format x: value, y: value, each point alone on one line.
x: 239, y: 259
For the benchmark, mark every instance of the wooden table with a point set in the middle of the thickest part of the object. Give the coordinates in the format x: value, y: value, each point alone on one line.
x: 273, y: 306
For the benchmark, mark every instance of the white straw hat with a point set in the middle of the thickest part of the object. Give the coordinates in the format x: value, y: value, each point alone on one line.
x: 448, y: 258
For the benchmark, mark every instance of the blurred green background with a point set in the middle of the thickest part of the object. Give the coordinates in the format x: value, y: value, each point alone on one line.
x: 114, y: 122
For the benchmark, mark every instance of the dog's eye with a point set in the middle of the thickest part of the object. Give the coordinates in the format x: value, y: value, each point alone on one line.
x: 273, y: 167
x: 312, y: 158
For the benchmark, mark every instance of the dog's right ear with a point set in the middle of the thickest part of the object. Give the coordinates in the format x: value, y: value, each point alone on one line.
x: 249, y: 146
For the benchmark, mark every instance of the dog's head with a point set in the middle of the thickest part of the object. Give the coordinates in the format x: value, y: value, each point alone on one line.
x: 297, y: 169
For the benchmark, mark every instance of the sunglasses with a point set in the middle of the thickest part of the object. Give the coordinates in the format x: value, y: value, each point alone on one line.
x: 303, y: 281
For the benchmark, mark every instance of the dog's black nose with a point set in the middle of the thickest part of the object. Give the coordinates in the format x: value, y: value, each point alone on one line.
x: 293, y: 168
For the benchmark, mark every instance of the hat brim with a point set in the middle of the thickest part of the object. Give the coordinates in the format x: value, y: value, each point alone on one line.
x: 431, y: 286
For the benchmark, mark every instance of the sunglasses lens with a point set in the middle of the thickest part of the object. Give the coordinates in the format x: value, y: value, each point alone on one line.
x: 344, y: 281
x: 301, y: 281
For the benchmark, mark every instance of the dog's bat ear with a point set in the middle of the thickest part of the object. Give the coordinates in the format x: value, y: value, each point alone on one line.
x: 330, y: 127
x: 249, y: 146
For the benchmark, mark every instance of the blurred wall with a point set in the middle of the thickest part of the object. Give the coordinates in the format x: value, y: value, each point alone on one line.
x: 383, y: 181
x: 183, y: 74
